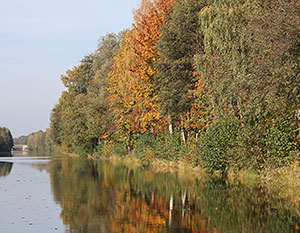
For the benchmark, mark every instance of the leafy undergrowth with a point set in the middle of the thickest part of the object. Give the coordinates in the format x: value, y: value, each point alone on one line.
x: 284, y: 183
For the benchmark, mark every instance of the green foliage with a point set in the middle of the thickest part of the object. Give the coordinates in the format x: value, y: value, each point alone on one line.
x: 56, y: 125
x: 82, y: 115
x: 167, y: 147
x: 21, y: 140
x: 251, y: 68
x: 180, y: 40
x: 279, y: 139
x: 6, y: 140
x: 271, y: 142
x: 225, y: 50
x: 119, y: 149
x: 218, y: 144
x: 231, y: 62
x: 40, y: 142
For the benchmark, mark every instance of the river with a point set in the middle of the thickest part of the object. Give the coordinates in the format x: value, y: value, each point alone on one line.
x: 51, y: 194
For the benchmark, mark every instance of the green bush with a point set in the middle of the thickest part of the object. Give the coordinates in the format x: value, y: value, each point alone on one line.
x: 219, y: 144
x: 278, y: 140
x: 165, y: 146
x: 113, y: 148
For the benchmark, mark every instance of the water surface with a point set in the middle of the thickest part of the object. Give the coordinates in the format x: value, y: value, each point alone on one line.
x: 26, y: 198
x: 76, y: 195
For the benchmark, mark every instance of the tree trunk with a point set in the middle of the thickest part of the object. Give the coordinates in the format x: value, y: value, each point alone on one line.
x: 183, y: 137
x: 170, y: 125
x: 170, y: 210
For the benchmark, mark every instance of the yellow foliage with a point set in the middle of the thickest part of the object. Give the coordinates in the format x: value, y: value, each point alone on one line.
x: 133, y: 99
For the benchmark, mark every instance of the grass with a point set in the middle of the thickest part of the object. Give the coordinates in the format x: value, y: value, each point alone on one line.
x: 285, y: 183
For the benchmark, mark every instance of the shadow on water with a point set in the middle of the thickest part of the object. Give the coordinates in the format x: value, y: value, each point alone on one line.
x: 97, y: 196
x: 5, y: 168
x: 5, y: 154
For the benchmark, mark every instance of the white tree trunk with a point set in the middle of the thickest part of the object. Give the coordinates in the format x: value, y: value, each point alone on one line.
x: 183, y: 199
x: 170, y: 125
x: 171, y: 128
x: 170, y: 210
x: 183, y: 137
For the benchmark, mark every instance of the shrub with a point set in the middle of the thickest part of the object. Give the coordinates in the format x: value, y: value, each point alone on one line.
x: 279, y: 139
x: 218, y: 144
x: 165, y: 146
x: 113, y: 148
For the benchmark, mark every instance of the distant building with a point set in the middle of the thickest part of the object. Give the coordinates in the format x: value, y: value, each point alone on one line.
x: 19, y: 147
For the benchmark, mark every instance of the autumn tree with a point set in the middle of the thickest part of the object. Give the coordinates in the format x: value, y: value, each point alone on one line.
x: 134, y: 99
x: 149, y: 19
x: 122, y: 84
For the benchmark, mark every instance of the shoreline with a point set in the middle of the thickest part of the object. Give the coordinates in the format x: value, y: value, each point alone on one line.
x: 282, y: 183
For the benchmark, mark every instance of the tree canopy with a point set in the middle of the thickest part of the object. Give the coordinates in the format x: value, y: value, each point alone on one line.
x: 6, y: 140
x: 224, y: 75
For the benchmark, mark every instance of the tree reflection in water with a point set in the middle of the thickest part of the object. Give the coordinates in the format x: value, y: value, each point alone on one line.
x: 5, y: 168
x: 97, y: 196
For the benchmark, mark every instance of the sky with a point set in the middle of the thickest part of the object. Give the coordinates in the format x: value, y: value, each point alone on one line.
x: 39, y: 41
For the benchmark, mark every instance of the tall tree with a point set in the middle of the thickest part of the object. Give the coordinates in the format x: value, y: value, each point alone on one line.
x: 134, y: 98
x: 97, y: 108
x: 251, y: 70
x: 68, y: 117
x: 122, y: 86
x: 180, y: 40
x: 222, y: 64
x: 149, y: 18
x: 83, y: 116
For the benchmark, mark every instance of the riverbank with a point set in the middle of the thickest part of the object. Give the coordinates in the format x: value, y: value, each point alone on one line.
x: 125, y: 195
x: 282, y: 183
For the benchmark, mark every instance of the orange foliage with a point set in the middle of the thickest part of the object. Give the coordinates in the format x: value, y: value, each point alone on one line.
x: 149, y: 19
x: 133, y: 98
x: 122, y: 84
x: 137, y: 215
x: 198, y: 118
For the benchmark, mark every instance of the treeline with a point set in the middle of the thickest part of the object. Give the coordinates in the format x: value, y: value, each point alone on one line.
x: 37, y: 142
x: 212, y: 82
x: 6, y: 140
x: 22, y: 140
x: 40, y: 142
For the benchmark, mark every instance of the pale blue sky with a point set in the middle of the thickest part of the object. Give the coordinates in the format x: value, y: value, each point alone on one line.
x: 39, y: 41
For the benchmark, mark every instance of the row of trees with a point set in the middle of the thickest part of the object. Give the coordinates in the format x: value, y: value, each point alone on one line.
x: 40, y: 142
x: 6, y: 140
x: 37, y: 141
x: 22, y: 140
x: 217, y: 82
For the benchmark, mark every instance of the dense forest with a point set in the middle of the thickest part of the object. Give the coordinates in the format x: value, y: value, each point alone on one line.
x: 214, y: 83
x: 6, y: 140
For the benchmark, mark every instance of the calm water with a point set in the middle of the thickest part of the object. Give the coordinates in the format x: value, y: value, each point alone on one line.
x: 40, y: 194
